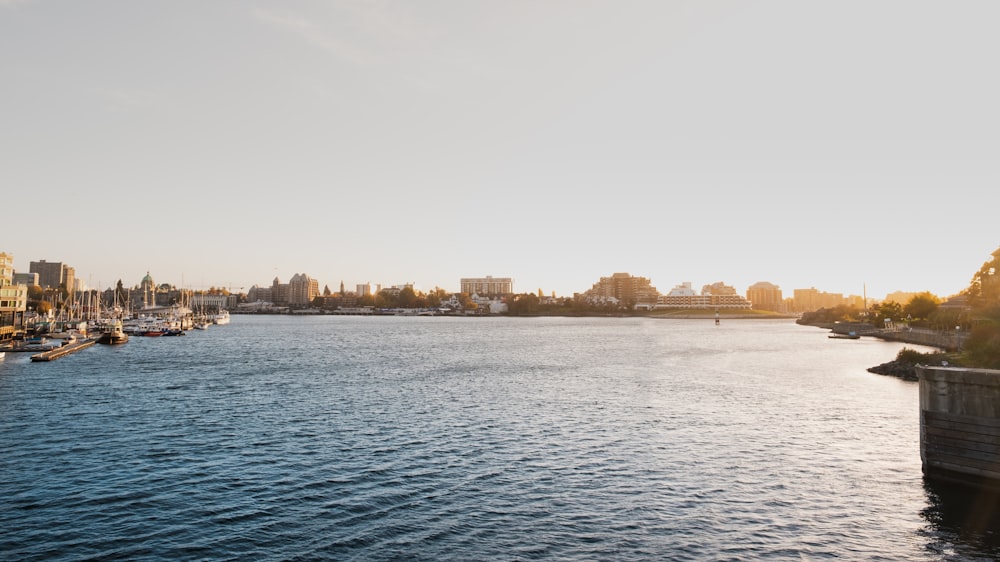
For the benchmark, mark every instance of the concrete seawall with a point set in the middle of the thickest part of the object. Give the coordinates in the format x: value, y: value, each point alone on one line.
x: 960, y: 425
x: 930, y: 338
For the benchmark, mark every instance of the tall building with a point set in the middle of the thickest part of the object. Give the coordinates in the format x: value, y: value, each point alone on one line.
x: 810, y: 300
x: 302, y: 289
x: 488, y: 286
x: 13, y: 299
x: 52, y: 275
x: 766, y: 296
x: 625, y: 288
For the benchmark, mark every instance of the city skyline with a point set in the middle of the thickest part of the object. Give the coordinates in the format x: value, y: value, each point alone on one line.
x: 787, y: 292
x: 848, y: 147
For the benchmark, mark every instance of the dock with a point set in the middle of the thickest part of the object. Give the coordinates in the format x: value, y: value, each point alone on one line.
x: 62, y: 351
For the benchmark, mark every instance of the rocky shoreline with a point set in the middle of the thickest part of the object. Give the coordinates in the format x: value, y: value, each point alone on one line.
x: 899, y: 369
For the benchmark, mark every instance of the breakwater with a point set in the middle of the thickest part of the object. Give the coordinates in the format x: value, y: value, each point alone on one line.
x: 960, y: 425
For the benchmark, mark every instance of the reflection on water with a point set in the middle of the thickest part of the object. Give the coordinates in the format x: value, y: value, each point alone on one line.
x: 355, y: 438
x: 964, y: 521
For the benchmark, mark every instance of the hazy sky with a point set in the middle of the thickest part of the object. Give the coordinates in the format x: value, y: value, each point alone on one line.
x: 837, y: 145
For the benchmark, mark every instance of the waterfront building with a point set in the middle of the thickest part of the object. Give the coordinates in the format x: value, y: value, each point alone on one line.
x: 811, y: 300
x: 488, y: 286
x: 766, y: 296
x: 335, y: 301
x: 637, y: 291
x: 259, y: 294
x: 13, y: 299
x: 302, y: 289
x: 715, y: 296
x: 209, y: 302
x: 298, y: 292
x: 53, y: 275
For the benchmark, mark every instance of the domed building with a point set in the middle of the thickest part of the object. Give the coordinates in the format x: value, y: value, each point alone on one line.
x: 147, y: 289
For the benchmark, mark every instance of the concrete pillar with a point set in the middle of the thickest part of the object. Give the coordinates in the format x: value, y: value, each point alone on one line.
x: 960, y: 424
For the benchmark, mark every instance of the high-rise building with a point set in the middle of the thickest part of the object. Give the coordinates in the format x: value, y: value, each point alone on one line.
x: 766, y: 296
x: 302, y: 289
x: 488, y: 286
x: 626, y: 289
x: 52, y: 275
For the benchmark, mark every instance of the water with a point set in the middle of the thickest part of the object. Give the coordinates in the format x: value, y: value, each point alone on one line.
x: 351, y: 438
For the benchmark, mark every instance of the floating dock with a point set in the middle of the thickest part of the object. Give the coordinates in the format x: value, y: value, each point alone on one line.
x: 58, y: 352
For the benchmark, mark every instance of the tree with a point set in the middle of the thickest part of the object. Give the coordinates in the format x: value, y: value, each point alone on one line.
x: 523, y: 304
x: 407, y: 298
x: 982, y: 347
x: 984, y: 290
x: 921, y: 306
x: 889, y: 310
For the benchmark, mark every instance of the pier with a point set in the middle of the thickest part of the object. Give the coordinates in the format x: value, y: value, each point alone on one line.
x: 960, y: 425
x: 64, y: 350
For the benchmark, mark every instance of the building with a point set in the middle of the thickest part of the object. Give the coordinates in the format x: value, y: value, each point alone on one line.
x: 766, y: 296
x: 811, y: 300
x: 302, y: 289
x: 299, y: 292
x: 900, y: 297
x: 13, y: 299
x: 29, y: 279
x: 487, y: 286
x: 715, y: 296
x: 259, y: 294
x: 635, y: 291
x: 209, y: 302
x: 53, y: 275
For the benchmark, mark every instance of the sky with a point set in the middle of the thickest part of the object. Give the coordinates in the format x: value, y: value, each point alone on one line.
x: 846, y: 146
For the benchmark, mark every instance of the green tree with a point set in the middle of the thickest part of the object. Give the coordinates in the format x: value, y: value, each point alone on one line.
x: 921, y: 306
x: 407, y: 298
x: 523, y: 304
x: 984, y: 290
x: 889, y: 310
x: 982, y: 347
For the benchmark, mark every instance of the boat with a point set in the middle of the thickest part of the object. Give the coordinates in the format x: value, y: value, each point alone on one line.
x: 221, y: 318
x: 113, y: 333
x: 847, y: 336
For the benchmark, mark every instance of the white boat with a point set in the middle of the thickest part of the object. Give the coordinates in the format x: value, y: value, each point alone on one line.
x: 220, y: 318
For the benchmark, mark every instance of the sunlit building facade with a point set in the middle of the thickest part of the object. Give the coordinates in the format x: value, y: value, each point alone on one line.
x: 766, y: 296
x: 487, y: 286
x: 13, y: 299
x: 625, y: 288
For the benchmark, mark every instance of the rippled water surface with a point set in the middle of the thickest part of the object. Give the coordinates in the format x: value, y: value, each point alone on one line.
x: 350, y: 438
